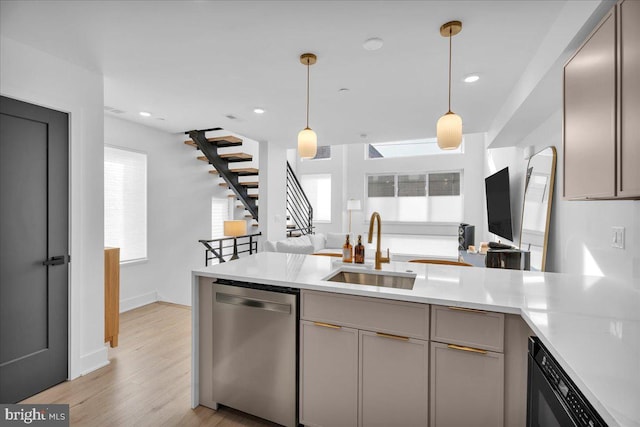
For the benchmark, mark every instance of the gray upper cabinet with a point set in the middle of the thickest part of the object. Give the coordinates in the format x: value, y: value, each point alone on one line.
x: 589, y: 116
x: 629, y: 99
x: 601, y: 132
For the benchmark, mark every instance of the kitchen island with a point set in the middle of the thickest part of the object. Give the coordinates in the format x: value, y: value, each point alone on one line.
x: 591, y: 325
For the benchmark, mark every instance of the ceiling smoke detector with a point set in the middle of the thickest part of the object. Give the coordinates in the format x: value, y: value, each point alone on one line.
x: 374, y: 43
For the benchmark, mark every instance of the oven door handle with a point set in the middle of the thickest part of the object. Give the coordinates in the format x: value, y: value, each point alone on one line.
x: 251, y: 302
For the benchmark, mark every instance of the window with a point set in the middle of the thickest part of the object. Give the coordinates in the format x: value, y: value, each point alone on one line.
x: 411, y: 148
x: 421, y: 197
x: 219, y: 214
x: 125, y: 202
x: 318, y: 191
x: 323, y: 152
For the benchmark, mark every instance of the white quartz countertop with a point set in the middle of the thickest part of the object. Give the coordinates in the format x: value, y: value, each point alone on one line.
x: 590, y: 324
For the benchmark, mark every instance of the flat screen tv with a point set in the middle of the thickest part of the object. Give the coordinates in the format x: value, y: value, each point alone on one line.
x: 499, y: 204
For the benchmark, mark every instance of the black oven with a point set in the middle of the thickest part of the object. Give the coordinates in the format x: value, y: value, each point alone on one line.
x: 553, y: 400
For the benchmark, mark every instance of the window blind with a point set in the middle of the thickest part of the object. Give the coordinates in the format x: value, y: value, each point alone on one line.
x: 125, y: 202
x: 318, y: 191
x: 219, y: 214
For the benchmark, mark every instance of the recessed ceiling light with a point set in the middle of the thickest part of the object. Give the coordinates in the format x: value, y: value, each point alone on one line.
x: 145, y: 114
x: 471, y: 78
x: 374, y: 43
x: 258, y: 110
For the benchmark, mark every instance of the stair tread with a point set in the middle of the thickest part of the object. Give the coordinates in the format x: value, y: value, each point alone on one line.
x: 240, y: 171
x: 253, y: 196
x: 232, y: 158
x: 250, y: 184
x: 236, y: 157
x: 220, y: 141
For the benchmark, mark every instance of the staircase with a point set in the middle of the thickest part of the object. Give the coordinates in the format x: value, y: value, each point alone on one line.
x: 228, y: 168
x: 299, y: 209
x: 238, y: 179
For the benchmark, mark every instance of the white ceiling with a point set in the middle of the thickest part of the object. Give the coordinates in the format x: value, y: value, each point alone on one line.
x: 194, y: 62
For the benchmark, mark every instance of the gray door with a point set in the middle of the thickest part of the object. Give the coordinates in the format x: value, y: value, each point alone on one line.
x: 33, y: 248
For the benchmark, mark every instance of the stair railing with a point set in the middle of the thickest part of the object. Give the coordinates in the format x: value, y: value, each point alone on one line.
x: 298, y: 205
x: 218, y: 249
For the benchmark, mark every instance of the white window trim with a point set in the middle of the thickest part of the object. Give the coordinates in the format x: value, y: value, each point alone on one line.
x: 440, y: 153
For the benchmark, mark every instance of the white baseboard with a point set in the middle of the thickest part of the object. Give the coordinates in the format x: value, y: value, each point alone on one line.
x: 138, y: 301
x: 95, y: 360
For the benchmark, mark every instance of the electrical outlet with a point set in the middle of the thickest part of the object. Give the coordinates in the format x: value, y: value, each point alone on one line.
x: 617, y: 237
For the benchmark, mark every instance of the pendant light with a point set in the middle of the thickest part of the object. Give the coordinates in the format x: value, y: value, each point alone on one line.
x: 449, y: 127
x: 307, y: 138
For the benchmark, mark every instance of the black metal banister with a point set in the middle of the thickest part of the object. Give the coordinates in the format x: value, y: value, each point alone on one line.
x: 299, y: 208
x: 214, y: 248
x: 298, y: 185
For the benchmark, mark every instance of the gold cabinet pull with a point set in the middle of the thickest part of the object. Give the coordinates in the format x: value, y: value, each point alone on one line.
x: 395, y: 337
x: 470, y: 349
x: 327, y: 325
x: 473, y: 310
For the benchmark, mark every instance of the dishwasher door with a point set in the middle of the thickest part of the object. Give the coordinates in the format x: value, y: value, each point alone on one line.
x: 254, y: 352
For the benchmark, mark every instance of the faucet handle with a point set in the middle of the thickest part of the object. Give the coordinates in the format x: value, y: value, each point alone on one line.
x: 385, y: 259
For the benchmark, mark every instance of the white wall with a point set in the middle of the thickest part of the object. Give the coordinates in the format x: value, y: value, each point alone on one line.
x: 349, y: 168
x: 39, y: 78
x: 178, y: 214
x: 273, y: 192
x: 580, y: 231
x: 335, y: 166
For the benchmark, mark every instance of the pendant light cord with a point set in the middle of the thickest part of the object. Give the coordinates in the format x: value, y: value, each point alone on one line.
x: 308, y: 93
x: 450, y: 31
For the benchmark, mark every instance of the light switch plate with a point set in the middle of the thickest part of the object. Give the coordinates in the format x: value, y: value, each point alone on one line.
x: 617, y: 237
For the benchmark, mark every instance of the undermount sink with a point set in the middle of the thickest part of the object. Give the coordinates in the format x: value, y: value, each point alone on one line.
x: 404, y: 281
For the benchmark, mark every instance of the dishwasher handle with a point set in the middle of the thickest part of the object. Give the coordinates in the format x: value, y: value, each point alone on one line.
x: 255, y: 303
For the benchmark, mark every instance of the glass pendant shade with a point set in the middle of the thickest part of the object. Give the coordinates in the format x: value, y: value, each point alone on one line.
x: 449, y: 131
x: 307, y: 143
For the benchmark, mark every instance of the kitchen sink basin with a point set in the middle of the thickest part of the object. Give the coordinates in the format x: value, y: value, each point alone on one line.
x: 404, y: 281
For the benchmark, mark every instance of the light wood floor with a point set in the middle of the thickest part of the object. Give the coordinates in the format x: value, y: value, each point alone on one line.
x: 148, y: 380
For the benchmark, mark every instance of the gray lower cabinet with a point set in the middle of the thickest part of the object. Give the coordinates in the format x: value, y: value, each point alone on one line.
x: 363, y: 361
x: 328, y: 375
x: 467, y: 386
x: 393, y: 380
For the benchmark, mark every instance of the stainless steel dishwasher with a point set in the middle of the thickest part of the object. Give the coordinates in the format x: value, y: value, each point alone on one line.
x: 255, y: 341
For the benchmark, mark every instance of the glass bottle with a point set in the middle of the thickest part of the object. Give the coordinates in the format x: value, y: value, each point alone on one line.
x: 359, y: 251
x: 347, y: 251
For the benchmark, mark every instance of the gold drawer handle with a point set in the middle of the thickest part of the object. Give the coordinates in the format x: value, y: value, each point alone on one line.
x: 395, y: 337
x: 473, y: 310
x: 470, y: 349
x: 327, y: 325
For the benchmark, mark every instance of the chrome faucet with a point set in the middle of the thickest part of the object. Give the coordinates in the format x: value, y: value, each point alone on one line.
x: 379, y: 258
